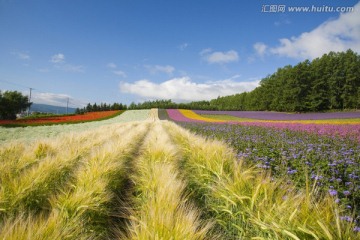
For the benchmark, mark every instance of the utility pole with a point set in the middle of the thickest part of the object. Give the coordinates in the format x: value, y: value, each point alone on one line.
x: 67, y: 105
x: 29, y: 100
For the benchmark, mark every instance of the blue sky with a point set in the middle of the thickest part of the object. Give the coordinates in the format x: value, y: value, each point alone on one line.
x: 136, y: 50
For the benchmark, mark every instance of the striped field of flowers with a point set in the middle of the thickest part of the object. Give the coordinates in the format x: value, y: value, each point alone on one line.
x: 326, y: 156
x: 332, y: 124
x: 152, y: 179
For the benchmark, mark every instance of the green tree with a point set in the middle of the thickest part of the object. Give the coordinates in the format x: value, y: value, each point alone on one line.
x: 11, y: 103
x: 352, y: 80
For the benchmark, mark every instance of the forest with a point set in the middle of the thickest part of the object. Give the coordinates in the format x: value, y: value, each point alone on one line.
x: 331, y: 82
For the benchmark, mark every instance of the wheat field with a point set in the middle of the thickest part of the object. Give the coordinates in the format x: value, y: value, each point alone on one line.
x: 151, y: 179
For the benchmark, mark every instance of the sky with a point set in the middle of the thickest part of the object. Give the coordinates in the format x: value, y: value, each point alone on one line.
x: 185, y: 50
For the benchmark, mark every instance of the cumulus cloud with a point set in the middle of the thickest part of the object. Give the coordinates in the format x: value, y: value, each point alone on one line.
x: 334, y: 35
x: 183, y: 89
x: 219, y: 57
x: 58, y: 58
x: 158, y: 68
x: 260, y: 48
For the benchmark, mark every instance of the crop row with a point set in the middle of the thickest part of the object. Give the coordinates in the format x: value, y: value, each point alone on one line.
x: 162, y: 208
x: 328, y: 155
x: 79, y: 203
x: 332, y: 165
x: 279, y: 116
x: 38, y: 132
x: 152, y: 180
x: 246, y: 203
x: 336, y: 128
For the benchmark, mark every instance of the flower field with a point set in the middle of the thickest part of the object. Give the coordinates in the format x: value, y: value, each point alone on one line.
x: 91, y: 116
x: 279, y: 116
x: 137, y: 177
x: 341, y: 125
x: 303, y: 152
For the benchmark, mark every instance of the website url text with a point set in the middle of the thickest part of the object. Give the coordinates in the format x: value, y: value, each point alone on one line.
x: 308, y: 9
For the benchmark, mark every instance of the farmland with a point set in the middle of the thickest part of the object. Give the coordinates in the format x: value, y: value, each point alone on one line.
x: 137, y: 177
x: 29, y: 132
x: 48, y: 120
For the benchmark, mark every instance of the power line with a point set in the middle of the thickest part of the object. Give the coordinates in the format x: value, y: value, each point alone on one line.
x: 12, y: 83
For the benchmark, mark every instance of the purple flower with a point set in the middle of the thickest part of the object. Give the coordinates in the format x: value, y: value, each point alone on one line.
x: 332, y: 192
x: 316, y: 177
x: 291, y: 171
x: 346, y: 193
x: 346, y: 218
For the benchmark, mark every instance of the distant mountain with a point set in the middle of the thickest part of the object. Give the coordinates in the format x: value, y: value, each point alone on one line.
x: 44, y: 108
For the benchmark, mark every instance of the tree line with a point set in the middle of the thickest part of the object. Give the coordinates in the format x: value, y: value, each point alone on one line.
x: 100, y: 107
x: 331, y: 82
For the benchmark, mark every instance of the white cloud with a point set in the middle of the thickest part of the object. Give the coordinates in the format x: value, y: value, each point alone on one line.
x: 219, y: 57
x: 334, y: 35
x: 72, y: 68
x: 184, y: 89
x: 21, y: 55
x: 205, y: 51
x: 58, y: 58
x: 158, y: 68
x: 55, y: 99
x: 183, y: 46
x: 115, y: 70
x: 60, y: 63
x: 50, y: 98
x: 111, y: 65
x: 120, y: 73
x: 260, y: 48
